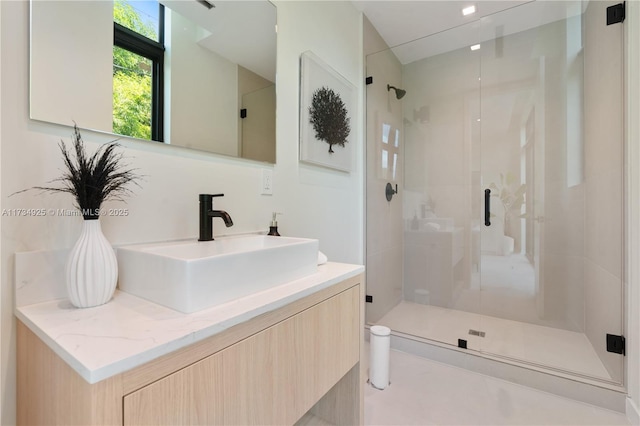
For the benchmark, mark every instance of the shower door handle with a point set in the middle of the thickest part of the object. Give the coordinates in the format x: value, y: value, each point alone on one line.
x: 487, y: 207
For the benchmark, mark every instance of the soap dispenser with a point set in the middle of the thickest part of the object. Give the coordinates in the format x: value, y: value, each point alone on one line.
x: 273, y: 228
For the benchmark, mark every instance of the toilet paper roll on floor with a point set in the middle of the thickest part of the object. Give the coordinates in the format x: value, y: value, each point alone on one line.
x: 380, y: 343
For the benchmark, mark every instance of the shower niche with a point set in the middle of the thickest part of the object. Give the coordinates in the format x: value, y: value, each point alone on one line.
x: 514, y: 102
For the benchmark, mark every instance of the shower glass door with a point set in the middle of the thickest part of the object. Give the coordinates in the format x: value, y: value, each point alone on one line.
x: 551, y: 260
x: 423, y: 244
x: 526, y: 103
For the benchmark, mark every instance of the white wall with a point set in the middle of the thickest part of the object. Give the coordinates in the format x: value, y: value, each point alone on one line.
x: 316, y: 202
x: 85, y: 72
x: 202, y: 89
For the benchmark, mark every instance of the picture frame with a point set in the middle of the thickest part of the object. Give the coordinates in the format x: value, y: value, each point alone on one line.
x: 328, y: 114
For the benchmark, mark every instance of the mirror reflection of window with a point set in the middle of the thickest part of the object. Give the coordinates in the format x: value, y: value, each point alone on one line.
x: 142, y: 17
x: 131, y: 94
x: 138, y: 58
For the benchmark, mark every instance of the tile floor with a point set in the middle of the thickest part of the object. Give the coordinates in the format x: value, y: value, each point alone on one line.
x: 424, y: 392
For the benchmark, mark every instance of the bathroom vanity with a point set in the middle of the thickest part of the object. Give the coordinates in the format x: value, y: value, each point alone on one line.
x: 284, y: 355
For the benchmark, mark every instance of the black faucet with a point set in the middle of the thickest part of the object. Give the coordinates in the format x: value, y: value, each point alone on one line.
x: 207, y: 214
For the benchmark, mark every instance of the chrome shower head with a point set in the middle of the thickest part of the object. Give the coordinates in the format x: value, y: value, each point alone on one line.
x: 399, y: 92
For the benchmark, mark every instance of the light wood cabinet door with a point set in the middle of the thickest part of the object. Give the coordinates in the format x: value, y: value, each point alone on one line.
x: 277, y: 375
x: 191, y: 396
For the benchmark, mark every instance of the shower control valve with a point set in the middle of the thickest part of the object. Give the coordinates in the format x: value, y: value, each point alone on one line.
x: 389, y: 191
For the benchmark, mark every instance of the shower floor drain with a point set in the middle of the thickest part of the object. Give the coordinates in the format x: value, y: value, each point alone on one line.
x: 476, y: 333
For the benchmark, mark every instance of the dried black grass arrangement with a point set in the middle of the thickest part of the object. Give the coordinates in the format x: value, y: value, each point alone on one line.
x: 93, y: 179
x: 328, y: 115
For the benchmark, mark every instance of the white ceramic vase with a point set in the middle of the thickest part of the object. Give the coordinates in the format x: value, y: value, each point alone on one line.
x: 92, y: 269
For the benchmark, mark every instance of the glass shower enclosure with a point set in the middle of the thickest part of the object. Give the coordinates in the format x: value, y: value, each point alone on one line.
x: 506, y: 233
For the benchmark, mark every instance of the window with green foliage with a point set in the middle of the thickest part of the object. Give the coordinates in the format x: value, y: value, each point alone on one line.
x: 138, y: 61
x: 139, y: 16
x: 131, y: 94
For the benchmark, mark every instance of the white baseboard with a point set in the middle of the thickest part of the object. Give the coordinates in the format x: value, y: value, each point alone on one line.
x: 633, y: 414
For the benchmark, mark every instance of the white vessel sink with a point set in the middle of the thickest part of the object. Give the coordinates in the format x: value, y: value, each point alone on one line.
x: 192, y: 275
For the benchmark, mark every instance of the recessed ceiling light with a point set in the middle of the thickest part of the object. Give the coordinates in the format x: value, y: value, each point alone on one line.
x: 475, y: 47
x: 469, y: 10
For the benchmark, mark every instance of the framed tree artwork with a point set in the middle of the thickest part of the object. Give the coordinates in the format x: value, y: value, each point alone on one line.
x: 328, y: 108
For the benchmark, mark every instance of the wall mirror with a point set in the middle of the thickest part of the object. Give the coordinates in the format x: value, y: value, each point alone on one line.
x: 197, y: 74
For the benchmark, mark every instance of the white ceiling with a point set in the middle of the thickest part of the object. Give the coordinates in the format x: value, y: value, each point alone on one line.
x: 405, y: 25
x: 414, y: 29
x: 242, y: 31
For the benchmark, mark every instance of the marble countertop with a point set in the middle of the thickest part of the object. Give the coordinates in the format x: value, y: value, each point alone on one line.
x: 128, y: 331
